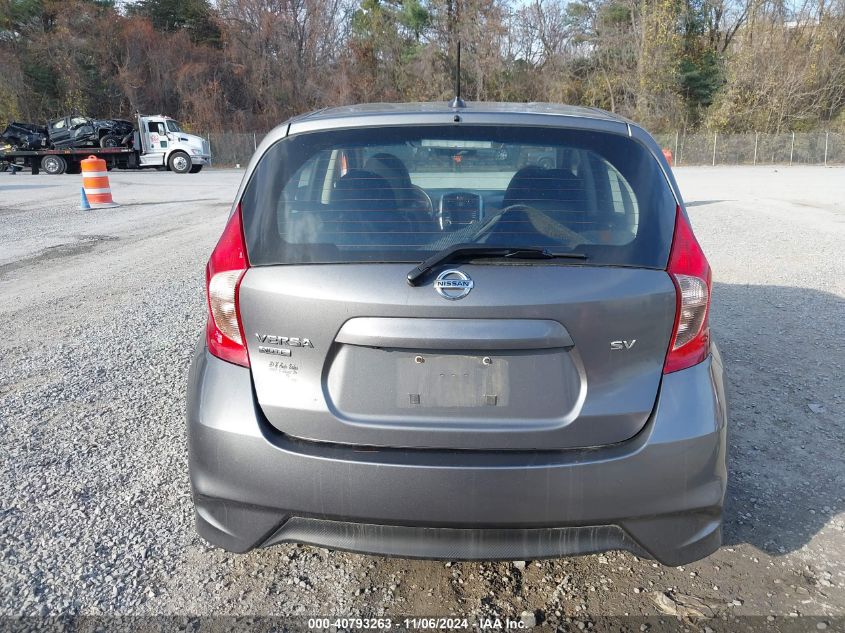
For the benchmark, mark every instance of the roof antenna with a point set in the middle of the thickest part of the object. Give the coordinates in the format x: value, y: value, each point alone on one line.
x: 457, y: 102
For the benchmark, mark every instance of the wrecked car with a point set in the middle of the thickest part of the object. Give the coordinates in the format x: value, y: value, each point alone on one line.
x: 79, y: 131
x: 70, y: 131
x: 25, y: 136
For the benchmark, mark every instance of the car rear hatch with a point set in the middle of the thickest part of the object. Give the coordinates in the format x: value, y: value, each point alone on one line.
x: 539, y: 353
x: 373, y: 361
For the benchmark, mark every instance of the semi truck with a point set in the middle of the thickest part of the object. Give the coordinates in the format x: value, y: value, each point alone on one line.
x: 158, y: 142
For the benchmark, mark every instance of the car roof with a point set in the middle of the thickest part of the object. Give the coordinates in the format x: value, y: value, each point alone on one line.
x: 487, y: 107
x: 480, y: 112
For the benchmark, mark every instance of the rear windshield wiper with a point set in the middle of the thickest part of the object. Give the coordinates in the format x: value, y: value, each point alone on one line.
x: 459, y: 251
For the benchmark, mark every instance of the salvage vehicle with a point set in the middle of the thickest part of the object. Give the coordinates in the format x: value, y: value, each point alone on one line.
x: 158, y: 142
x: 471, y: 359
x: 25, y: 136
x: 78, y: 131
x: 70, y: 131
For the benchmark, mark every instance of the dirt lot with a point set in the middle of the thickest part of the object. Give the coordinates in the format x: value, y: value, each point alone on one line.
x: 100, y: 311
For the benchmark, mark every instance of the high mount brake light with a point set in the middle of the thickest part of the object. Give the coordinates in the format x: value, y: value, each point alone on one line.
x: 691, y: 275
x: 226, y: 267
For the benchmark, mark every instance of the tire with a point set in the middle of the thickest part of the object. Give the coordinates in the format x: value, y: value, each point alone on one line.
x: 179, y: 162
x: 546, y: 163
x: 74, y: 168
x: 54, y: 165
x: 195, y: 169
x: 110, y: 140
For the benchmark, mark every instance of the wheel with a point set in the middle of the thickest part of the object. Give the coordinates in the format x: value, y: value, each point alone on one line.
x: 195, y: 169
x: 109, y: 140
x: 546, y: 163
x: 179, y: 163
x: 54, y: 165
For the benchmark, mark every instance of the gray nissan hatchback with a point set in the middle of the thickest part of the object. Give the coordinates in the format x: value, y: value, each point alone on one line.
x: 474, y: 332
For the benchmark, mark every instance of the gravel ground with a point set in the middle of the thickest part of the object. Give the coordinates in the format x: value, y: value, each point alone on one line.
x: 100, y: 312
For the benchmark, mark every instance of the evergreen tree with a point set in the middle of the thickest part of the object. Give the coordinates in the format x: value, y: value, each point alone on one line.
x: 194, y: 16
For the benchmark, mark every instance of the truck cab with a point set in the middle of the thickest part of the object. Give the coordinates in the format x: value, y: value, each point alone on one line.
x: 163, y: 143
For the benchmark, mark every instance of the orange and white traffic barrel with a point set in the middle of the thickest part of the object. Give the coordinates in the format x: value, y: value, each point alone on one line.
x: 95, y: 183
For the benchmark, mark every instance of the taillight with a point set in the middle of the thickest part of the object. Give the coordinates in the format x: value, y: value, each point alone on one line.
x: 223, y: 274
x: 690, y: 273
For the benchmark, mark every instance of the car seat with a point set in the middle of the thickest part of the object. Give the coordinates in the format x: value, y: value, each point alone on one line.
x: 363, y: 210
x: 410, y: 199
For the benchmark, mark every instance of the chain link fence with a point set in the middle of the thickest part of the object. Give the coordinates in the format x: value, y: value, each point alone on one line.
x: 798, y: 148
x: 229, y: 149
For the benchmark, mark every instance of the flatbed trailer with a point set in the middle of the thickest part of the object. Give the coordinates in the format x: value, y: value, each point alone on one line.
x: 158, y: 142
x: 60, y: 161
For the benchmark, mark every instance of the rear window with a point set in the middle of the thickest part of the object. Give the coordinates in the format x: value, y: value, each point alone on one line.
x: 401, y: 194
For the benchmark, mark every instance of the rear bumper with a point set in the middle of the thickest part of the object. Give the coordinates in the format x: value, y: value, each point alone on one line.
x: 659, y: 494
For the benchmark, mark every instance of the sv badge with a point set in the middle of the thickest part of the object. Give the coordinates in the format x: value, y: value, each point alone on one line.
x: 623, y: 344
